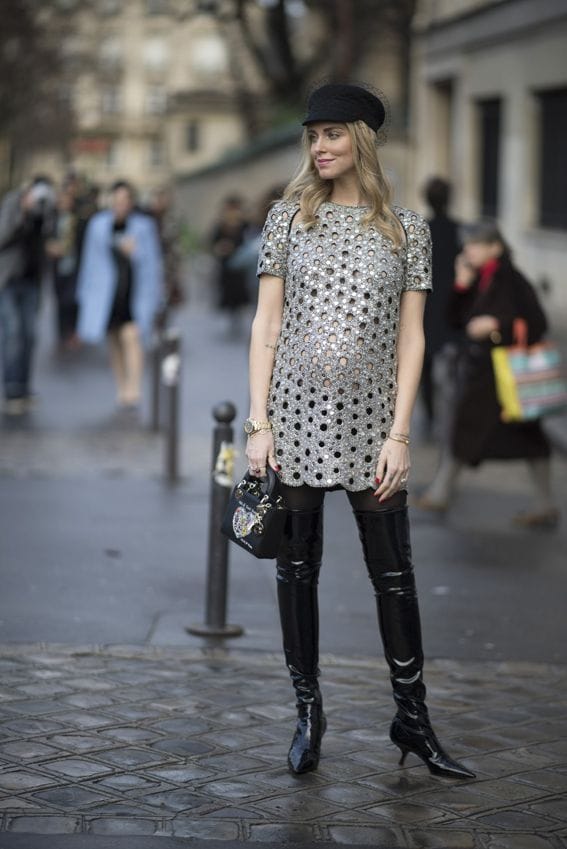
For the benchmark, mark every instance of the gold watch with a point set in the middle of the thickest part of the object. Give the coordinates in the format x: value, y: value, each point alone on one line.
x: 252, y: 426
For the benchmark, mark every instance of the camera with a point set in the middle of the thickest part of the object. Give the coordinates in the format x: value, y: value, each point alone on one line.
x: 42, y: 196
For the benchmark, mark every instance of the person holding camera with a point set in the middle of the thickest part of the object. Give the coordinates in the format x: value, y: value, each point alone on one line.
x: 24, y: 223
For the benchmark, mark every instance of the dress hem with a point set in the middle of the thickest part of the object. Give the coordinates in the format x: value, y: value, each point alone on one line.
x: 322, y: 485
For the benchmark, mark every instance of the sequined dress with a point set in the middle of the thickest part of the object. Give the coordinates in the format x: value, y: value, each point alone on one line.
x: 333, y: 388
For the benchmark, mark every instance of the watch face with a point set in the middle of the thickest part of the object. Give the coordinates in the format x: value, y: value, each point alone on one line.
x: 248, y: 426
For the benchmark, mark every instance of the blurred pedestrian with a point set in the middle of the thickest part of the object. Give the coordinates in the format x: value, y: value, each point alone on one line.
x: 86, y: 205
x: 227, y: 236
x: 335, y: 357
x: 488, y: 295
x: 440, y: 337
x: 120, y: 287
x: 62, y: 249
x: 25, y: 219
x: 161, y: 208
x: 245, y: 257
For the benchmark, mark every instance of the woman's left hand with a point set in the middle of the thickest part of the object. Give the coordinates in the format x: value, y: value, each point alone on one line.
x: 481, y: 326
x: 127, y: 245
x: 393, y: 469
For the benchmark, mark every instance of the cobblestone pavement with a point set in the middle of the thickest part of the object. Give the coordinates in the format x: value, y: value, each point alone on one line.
x: 146, y: 741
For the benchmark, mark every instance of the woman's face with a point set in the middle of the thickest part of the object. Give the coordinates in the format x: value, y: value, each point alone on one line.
x: 478, y: 254
x: 331, y: 149
x: 122, y: 203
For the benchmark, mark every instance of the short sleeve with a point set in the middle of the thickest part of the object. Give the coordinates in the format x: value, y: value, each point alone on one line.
x: 418, y: 251
x: 272, y: 257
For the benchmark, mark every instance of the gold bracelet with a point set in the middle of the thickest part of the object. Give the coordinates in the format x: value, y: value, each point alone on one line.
x: 259, y: 430
x: 399, y: 438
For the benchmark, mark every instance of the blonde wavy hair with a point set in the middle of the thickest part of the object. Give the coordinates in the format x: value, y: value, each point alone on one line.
x: 310, y: 190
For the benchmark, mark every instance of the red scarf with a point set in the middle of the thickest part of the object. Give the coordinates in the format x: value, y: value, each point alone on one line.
x: 487, y: 273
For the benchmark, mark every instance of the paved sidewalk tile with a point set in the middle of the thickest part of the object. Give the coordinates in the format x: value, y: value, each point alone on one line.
x: 145, y: 742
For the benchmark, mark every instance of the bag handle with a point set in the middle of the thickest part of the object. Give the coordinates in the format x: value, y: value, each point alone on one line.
x: 520, y: 332
x: 268, y: 484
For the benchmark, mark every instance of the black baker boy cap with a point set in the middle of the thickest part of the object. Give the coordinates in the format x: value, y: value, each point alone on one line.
x: 345, y: 103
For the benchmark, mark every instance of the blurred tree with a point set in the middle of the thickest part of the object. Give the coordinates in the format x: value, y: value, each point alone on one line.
x: 344, y: 30
x: 33, y: 109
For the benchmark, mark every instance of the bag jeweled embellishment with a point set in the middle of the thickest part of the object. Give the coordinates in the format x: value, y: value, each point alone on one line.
x: 243, y: 521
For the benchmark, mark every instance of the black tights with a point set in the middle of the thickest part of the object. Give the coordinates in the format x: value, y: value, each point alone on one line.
x: 306, y: 497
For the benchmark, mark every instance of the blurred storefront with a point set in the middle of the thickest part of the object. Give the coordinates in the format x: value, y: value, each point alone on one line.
x: 490, y: 113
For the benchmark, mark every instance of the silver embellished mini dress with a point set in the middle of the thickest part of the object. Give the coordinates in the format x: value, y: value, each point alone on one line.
x: 333, y: 388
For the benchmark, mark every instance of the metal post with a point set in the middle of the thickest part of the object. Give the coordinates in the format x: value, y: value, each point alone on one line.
x: 217, y: 564
x: 170, y: 374
x: 155, y: 376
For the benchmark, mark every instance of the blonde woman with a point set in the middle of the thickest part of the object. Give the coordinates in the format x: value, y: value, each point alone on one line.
x: 335, y: 360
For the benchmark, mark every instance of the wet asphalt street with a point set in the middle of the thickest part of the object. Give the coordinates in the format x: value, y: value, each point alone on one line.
x: 97, y: 548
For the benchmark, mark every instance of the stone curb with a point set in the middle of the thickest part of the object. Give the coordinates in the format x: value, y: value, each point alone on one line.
x: 238, y: 656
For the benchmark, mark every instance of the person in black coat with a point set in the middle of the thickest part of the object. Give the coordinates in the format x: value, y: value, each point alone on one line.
x: 488, y: 295
x: 439, y: 334
x: 227, y: 236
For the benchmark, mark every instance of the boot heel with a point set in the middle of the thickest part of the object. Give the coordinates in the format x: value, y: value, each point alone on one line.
x: 404, y: 752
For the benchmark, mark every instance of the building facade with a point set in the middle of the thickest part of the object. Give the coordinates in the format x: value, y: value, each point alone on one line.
x: 490, y: 113
x: 152, y: 86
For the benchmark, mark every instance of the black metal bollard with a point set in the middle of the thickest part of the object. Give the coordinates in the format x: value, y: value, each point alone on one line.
x: 217, y: 565
x: 156, y: 356
x: 170, y: 375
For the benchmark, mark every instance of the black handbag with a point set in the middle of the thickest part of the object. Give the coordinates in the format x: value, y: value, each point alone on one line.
x: 255, y: 515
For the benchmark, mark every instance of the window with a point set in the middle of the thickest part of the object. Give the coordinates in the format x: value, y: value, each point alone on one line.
x: 111, y: 100
x: 112, y: 158
x: 109, y: 7
x: 157, y: 7
x: 66, y: 95
x: 155, y: 54
x: 192, y: 136
x: 156, y: 100
x: 209, y: 55
x: 552, y: 170
x: 441, y: 111
x: 156, y: 153
x: 489, y: 155
x: 110, y: 53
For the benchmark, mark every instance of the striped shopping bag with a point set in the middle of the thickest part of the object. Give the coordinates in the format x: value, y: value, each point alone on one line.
x: 530, y: 380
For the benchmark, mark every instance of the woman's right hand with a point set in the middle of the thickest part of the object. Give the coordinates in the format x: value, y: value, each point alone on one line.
x: 260, y: 451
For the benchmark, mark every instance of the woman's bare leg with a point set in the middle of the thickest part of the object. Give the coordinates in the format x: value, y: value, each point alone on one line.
x: 118, y: 365
x: 134, y: 362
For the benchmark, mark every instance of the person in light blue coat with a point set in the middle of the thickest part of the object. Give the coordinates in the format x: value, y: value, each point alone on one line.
x: 120, y: 288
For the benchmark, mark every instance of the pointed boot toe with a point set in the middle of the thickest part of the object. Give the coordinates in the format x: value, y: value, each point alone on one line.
x: 305, y: 749
x: 421, y: 741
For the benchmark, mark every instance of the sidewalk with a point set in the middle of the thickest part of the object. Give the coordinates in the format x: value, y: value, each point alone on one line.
x: 132, y: 741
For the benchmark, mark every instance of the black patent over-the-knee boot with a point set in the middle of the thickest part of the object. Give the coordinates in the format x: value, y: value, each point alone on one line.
x: 387, y: 552
x: 298, y: 565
